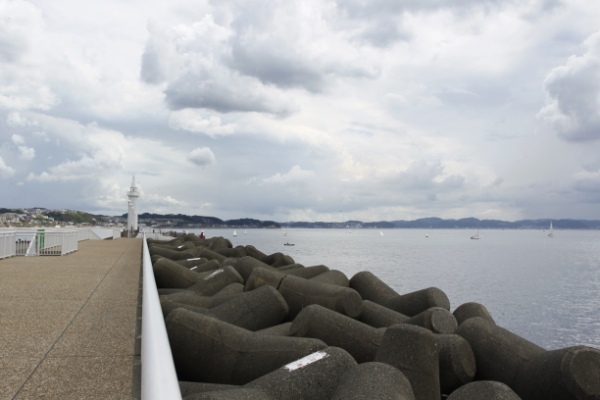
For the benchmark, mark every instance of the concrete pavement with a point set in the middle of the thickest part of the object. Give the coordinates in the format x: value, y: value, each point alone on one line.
x: 69, y: 325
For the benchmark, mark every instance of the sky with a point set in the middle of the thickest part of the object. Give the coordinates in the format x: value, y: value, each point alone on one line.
x: 312, y: 110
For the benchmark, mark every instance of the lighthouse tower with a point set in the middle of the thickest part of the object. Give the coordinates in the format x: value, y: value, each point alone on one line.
x: 132, y: 215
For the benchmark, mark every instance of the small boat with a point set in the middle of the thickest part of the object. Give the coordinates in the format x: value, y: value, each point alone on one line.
x: 288, y: 244
x: 476, y: 236
x: 551, y: 234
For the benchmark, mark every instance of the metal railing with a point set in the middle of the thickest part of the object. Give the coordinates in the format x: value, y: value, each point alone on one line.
x: 40, y: 242
x: 159, y: 379
x: 7, y: 244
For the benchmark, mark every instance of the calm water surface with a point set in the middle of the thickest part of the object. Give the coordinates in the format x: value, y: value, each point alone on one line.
x: 544, y: 289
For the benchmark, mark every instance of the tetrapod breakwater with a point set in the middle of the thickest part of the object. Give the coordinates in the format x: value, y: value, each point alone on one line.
x: 243, y: 324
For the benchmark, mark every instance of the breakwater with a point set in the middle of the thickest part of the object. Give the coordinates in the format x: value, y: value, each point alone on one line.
x: 244, y: 324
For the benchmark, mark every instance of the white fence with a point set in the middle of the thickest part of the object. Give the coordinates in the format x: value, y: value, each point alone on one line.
x: 7, y: 244
x: 98, y: 233
x: 159, y: 379
x: 40, y: 242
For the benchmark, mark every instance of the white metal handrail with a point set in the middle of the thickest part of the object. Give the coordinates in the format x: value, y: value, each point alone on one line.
x: 40, y: 242
x: 159, y: 379
x: 7, y: 244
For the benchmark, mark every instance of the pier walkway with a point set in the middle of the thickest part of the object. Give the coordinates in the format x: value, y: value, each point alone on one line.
x: 69, y: 325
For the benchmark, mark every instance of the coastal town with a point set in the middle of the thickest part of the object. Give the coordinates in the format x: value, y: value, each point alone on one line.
x: 27, y: 217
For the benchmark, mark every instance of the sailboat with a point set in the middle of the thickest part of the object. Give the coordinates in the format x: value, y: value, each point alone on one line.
x: 551, y: 234
x: 380, y: 233
x: 234, y: 233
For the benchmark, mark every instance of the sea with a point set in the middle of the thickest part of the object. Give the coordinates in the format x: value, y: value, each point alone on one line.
x: 545, y: 289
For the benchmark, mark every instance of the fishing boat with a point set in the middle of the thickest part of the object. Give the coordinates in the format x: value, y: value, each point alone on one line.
x: 288, y: 244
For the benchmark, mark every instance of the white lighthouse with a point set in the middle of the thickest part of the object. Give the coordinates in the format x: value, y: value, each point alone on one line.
x: 132, y: 214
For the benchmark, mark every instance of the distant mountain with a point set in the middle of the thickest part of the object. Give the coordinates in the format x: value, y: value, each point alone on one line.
x: 464, y: 223
x: 190, y: 221
x: 182, y: 221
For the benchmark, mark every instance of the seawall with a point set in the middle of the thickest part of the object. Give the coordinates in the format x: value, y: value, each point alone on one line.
x: 247, y: 325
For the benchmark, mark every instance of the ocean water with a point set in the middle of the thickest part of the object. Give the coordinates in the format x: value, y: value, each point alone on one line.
x: 546, y: 290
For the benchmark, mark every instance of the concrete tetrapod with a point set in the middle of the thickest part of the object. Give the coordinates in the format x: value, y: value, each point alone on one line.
x: 206, y: 253
x: 416, y: 302
x: 436, y: 319
x: 488, y: 390
x: 194, y: 299
x: 471, y: 310
x: 335, y: 329
x: 379, y: 316
x: 186, y: 388
x: 299, y: 292
x: 413, y: 350
x: 246, y: 265
x: 332, y: 277
x: 374, y: 381
x: 531, y: 371
x: 231, y: 394
x: 231, y: 289
x: 258, y: 309
x: 314, y: 377
x: 254, y: 252
x: 370, y: 287
x: 457, y: 362
x: 169, y: 253
x: 208, y: 265
x: 278, y: 330
x: 206, y: 349
x: 278, y: 259
x: 216, y: 280
x: 169, y: 274
x: 307, y: 272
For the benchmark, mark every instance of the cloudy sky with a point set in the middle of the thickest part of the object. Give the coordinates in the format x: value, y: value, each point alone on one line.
x: 303, y: 110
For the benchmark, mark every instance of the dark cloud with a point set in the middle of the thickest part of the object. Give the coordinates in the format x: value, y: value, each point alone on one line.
x: 362, y: 9
x: 276, y: 65
x: 573, y: 92
x: 192, y: 90
x: 384, y: 32
x: 152, y: 70
x: 156, y: 55
x: 421, y: 175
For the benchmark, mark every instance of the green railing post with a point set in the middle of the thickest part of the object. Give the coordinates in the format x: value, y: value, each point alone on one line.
x: 40, y: 240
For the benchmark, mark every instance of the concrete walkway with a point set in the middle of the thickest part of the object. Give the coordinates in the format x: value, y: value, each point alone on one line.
x: 68, y: 325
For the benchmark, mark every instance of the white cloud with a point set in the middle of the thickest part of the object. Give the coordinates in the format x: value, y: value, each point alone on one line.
x: 381, y: 109
x: 27, y: 153
x: 573, y: 95
x: 295, y: 175
x: 202, y: 156
x: 197, y: 121
x: 20, y: 22
x: 5, y: 170
x: 18, y: 139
